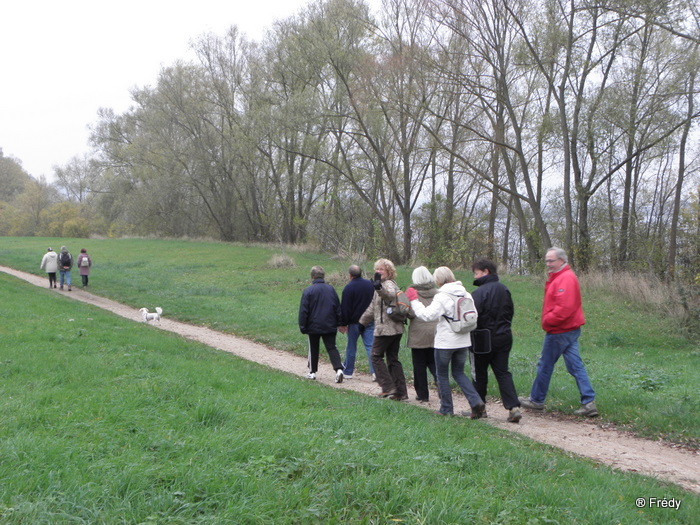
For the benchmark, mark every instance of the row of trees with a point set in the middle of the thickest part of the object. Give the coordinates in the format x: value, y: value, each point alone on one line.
x: 32, y: 206
x: 436, y: 129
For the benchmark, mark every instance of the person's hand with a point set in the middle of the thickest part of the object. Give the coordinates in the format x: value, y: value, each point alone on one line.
x: 343, y: 329
x: 411, y: 294
x: 377, y: 281
x: 361, y: 328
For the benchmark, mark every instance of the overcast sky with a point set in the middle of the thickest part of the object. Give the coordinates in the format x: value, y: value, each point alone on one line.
x: 61, y: 61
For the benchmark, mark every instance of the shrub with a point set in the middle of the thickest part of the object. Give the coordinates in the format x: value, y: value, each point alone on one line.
x: 77, y: 228
x: 337, y: 279
x: 281, y: 261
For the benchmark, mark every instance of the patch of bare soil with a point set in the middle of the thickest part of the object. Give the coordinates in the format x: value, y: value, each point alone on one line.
x: 590, y: 438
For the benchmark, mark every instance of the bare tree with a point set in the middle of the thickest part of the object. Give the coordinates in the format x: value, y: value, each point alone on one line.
x: 690, y: 94
x: 77, y: 177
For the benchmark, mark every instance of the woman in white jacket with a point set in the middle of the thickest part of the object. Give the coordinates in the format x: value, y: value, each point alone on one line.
x: 450, y: 348
x: 49, y: 262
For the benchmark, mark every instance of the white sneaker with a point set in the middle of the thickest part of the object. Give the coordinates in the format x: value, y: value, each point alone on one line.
x: 310, y: 375
x: 339, y: 376
x: 347, y: 376
x: 374, y: 377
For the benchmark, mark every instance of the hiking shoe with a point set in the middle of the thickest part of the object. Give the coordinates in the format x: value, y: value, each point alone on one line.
x: 478, y: 412
x: 588, y: 410
x: 514, y: 415
x: 339, y: 376
x: 526, y: 402
x: 399, y: 397
x: 470, y: 413
x: 311, y: 375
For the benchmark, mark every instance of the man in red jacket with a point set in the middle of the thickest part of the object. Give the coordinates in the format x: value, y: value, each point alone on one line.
x: 562, y: 318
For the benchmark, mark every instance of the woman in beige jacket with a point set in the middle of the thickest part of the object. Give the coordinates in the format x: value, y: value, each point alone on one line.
x: 387, y: 333
x: 421, y: 335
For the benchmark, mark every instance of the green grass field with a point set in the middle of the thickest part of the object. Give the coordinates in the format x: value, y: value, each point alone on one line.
x: 109, y: 421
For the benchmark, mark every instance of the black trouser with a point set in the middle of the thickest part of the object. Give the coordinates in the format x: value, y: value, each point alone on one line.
x: 52, y: 279
x: 85, y: 279
x: 331, y: 348
x: 423, y: 360
x: 497, y: 359
x: 390, y: 375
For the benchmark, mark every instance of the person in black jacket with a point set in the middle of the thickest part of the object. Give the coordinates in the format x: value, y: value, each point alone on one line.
x: 495, y: 308
x: 357, y: 296
x: 319, y: 318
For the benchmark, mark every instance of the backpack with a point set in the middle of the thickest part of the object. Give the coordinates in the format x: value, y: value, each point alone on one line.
x: 84, y: 262
x: 464, y: 315
x: 64, y: 259
x: 399, y: 308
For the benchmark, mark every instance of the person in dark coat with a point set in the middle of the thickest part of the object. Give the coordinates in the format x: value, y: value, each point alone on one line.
x: 357, y: 296
x: 319, y: 318
x: 495, y: 308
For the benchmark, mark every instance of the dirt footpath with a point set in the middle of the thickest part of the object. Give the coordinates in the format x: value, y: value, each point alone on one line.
x: 589, y: 438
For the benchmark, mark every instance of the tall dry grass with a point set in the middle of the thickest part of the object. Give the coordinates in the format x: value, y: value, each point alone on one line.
x: 674, y: 300
x: 281, y: 260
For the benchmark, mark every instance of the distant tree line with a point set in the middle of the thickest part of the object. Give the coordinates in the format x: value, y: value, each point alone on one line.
x: 436, y: 130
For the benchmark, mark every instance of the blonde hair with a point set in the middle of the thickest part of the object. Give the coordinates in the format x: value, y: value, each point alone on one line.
x: 443, y: 275
x: 422, y: 276
x: 388, y: 266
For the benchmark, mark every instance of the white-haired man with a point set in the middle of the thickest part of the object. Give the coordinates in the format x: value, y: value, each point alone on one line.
x: 562, y: 319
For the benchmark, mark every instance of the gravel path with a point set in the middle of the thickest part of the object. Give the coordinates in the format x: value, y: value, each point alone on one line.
x: 590, y: 438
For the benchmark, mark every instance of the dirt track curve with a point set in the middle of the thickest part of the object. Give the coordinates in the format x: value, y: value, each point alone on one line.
x: 589, y: 438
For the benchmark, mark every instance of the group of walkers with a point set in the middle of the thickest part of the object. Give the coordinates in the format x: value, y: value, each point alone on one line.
x: 435, y: 347
x: 62, y: 263
x: 364, y: 313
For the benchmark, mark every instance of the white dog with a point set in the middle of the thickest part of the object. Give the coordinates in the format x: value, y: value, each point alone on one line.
x: 147, y: 316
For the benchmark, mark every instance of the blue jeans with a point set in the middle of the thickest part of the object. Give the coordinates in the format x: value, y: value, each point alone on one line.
x: 64, y: 276
x: 555, y: 346
x: 457, y: 357
x: 351, y: 348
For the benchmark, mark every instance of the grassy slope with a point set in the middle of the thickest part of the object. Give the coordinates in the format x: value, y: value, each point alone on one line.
x: 109, y: 421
